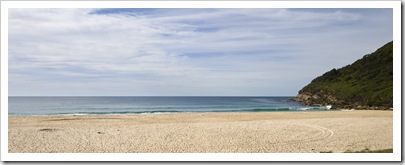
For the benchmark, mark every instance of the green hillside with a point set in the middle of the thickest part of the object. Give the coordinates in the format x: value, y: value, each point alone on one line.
x: 365, y: 84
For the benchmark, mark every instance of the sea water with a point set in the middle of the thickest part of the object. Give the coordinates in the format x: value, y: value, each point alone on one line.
x: 33, y: 106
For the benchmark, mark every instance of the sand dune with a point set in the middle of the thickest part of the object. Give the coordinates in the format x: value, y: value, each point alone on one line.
x: 261, y: 132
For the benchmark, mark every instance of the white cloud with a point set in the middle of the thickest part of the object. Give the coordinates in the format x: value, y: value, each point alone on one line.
x: 182, y: 51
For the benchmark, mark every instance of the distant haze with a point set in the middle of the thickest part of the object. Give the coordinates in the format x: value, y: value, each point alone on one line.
x: 185, y: 52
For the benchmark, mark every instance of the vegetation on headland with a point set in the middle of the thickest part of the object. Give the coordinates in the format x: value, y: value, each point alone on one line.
x: 365, y: 84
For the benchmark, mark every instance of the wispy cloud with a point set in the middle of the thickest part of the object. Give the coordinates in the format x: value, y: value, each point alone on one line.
x: 185, y: 51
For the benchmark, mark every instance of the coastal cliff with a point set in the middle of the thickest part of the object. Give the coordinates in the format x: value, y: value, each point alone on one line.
x: 365, y: 84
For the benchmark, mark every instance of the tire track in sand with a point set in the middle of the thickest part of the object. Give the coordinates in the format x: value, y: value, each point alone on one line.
x: 323, y: 134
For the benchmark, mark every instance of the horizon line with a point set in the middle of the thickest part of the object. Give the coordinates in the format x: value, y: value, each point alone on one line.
x: 143, y: 96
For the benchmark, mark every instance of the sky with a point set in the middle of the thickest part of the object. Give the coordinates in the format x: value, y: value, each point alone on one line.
x: 185, y: 52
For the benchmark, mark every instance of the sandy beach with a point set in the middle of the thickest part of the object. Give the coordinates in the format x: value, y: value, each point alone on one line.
x: 246, y: 132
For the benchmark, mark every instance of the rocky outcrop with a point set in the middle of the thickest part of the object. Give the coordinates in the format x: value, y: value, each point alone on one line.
x: 313, y: 99
x: 330, y: 99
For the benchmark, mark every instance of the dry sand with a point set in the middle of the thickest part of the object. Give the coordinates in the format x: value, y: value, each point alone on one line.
x: 268, y: 132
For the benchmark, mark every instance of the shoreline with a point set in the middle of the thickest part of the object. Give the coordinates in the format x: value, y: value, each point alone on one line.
x: 186, y: 112
x: 212, y: 132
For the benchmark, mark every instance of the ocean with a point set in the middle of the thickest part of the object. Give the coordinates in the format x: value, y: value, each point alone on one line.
x: 39, y: 106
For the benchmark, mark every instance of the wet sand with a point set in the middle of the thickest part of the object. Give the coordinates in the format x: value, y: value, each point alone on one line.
x: 245, y: 132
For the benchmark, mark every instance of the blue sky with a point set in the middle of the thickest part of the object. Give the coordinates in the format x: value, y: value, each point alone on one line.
x: 185, y: 52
